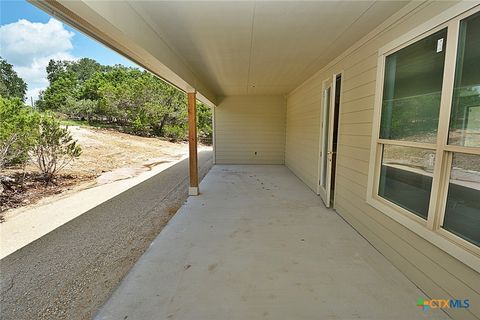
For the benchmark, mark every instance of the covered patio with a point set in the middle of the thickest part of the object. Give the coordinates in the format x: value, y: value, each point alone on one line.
x: 302, y: 96
x: 258, y: 244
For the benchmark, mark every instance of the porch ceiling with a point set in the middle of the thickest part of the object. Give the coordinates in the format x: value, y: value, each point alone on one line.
x: 260, y: 47
x: 225, y: 48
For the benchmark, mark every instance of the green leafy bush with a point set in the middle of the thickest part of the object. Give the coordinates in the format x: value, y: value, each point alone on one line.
x: 18, y: 131
x: 54, y: 147
x: 176, y: 132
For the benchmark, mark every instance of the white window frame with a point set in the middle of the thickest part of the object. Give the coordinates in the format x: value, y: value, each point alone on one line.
x: 429, y: 229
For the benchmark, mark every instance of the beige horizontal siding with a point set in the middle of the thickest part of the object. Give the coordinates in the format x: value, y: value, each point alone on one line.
x: 360, y: 104
x: 361, y: 116
x: 303, y: 131
x: 353, y: 140
x: 361, y: 67
x: 248, y: 124
x: 431, y: 269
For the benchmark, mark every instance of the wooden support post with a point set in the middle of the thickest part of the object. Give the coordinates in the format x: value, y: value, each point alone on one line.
x: 192, y: 143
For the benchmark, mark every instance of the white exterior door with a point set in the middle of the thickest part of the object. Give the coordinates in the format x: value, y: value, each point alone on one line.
x: 326, y: 142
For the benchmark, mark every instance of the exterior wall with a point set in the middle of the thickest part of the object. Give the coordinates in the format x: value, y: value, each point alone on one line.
x: 248, y: 124
x: 431, y: 269
x: 303, y: 132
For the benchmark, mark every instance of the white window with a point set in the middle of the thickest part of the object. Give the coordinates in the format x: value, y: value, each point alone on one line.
x: 425, y: 162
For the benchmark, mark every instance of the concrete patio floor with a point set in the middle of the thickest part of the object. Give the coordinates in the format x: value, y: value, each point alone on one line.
x: 258, y: 244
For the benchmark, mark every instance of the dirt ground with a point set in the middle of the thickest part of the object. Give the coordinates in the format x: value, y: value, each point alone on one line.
x: 107, y: 156
x: 106, y: 149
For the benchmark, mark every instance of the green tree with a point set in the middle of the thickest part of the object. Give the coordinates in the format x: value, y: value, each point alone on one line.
x: 142, y: 103
x: 55, y: 69
x: 85, y: 68
x: 66, y: 80
x: 131, y: 100
x: 63, y: 87
x: 11, y: 85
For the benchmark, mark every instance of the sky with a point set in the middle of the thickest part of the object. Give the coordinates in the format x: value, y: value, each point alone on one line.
x: 29, y: 38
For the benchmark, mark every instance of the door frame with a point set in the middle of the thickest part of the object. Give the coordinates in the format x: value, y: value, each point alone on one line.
x: 325, y: 194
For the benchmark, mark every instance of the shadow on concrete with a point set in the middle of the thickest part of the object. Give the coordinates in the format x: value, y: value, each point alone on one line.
x: 71, y: 271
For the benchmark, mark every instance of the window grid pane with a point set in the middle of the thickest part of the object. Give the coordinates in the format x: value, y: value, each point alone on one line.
x: 462, y: 210
x: 465, y: 114
x: 412, y: 90
x: 406, y: 176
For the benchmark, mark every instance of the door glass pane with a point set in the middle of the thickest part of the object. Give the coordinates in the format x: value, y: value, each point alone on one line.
x: 462, y: 213
x: 325, y: 122
x: 412, y: 90
x: 465, y: 116
x: 406, y: 177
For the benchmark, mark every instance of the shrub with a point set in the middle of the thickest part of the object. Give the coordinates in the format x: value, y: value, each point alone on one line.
x: 176, y: 132
x: 204, y: 119
x: 54, y: 148
x: 139, y: 127
x: 80, y: 109
x: 18, y: 131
